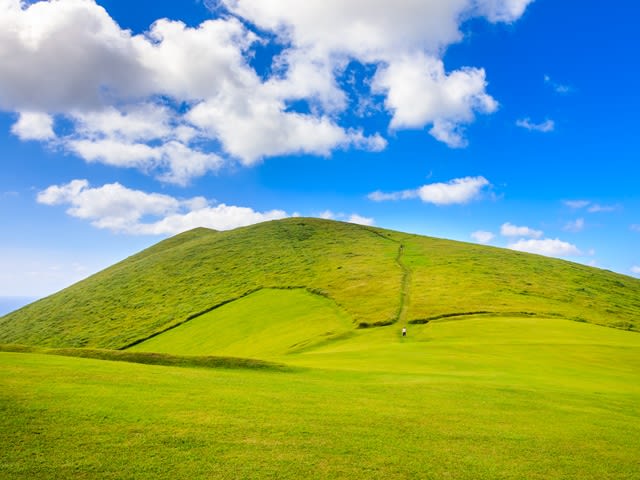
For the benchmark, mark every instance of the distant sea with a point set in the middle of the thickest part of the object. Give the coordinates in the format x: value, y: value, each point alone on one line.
x: 9, y: 304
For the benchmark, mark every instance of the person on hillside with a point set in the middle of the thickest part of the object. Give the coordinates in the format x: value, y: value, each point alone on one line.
x: 404, y: 331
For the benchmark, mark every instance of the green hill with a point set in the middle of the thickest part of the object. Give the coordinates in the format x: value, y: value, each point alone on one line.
x: 340, y: 277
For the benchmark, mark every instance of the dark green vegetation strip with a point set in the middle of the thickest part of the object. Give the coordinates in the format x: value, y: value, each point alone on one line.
x: 151, y: 358
x: 422, y: 321
x: 215, y: 307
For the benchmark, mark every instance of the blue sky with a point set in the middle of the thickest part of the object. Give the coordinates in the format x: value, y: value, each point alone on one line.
x: 506, y: 122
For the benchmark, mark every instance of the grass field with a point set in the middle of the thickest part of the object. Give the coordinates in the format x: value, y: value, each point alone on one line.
x: 265, y: 324
x: 482, y: 398
x: 274, y: 352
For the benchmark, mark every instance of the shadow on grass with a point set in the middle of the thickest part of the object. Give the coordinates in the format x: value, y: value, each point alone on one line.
x: 153, y: 358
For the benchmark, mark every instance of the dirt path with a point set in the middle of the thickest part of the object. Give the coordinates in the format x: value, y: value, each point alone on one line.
x: 405, y: 288
x: 405, y: 284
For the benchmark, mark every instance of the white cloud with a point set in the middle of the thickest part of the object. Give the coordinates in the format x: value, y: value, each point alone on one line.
x: 56, y: 56
x: 116, y: 153
x: 420, y: 93
x: 482, y: 236
x: 577, y: 204
x: 360, y: 220
x: 184, y: 163
x: 34, y: 126
x: 219, y: 217
x: 635, y: 227
x: 379, y: 196
x: 327, y: 215
x: 503, y: 11
x: 131, y: 123
x: 557, y: 87
x: 597, y: 208
x: 510, y: 230
x: 272, y: 130
x: 353, y: 218
x: 405, y: 40
x: 545, y: 127
x: 375, y: 29
x: 635, y: 269
x: 575, y: 226
x: 174, y: 161
x: 590, y: 206
x: 123, y: 210
x: 125, y: 91
x: 456, y: 191
x: 548, y: 247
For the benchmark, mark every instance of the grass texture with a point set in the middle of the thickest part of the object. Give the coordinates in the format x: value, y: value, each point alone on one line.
x: 483, y: 398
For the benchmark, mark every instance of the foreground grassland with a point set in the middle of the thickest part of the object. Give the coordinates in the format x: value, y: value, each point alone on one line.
x: 482, y: 398
x: 372, y: 276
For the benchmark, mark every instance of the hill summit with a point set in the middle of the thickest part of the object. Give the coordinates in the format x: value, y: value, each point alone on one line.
x: 373, y: 276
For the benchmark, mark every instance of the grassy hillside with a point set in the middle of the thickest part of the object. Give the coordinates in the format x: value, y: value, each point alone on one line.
x: 372, y: 276
x: 198, y: 270
x: 485, y: 398
x: 264, y: 324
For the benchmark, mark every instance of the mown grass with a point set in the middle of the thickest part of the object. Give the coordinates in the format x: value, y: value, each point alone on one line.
x: 484, y: 398
x: 374, y: 276
x: 266, y: 323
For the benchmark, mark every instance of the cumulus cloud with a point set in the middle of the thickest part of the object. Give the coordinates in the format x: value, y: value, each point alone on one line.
x: 419, y: 93
x: 123, y: 210
x: 510, y: 230
x: 327, y: 215
x: 503, y: 11
x: 482, y: 236
x: 353, y: 218
x: 548, y: 247
x: 141, y: 96
x: 635, y: 269
x: 544, y: 127
x: 376, y: 29
x: 360, y: 220
x: 143, y: 122
x: 33, y: 126
x: 273, y: 131
x: 456, y: 191
x: 173, y: 161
